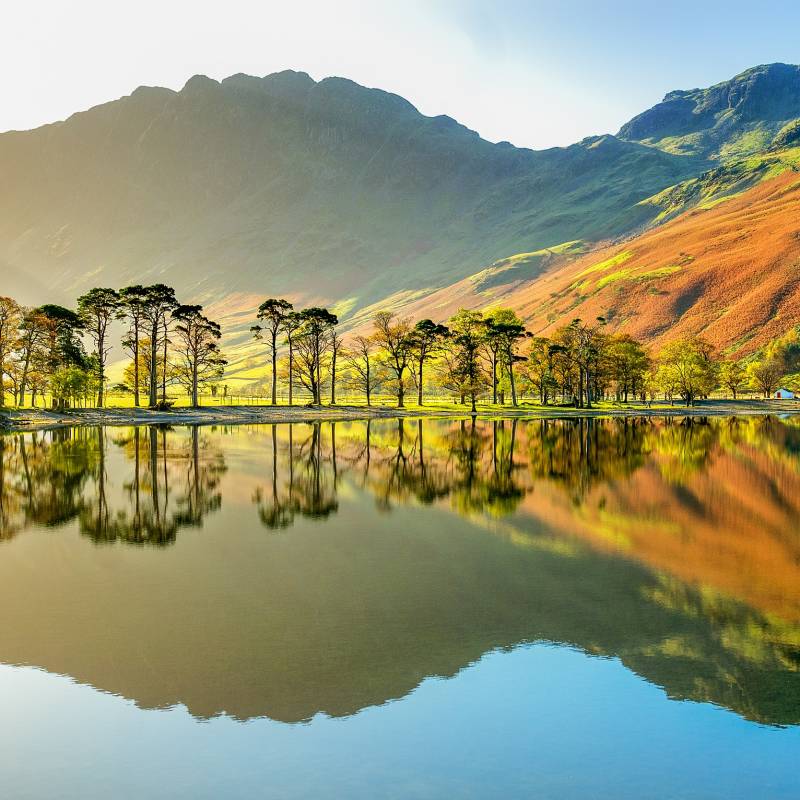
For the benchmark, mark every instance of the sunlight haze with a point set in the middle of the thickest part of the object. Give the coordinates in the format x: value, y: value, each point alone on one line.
x: 536, y: 74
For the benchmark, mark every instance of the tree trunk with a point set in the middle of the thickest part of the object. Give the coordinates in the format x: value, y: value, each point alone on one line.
x: 101, y: 371
x: 274, y: 367
x: 512, y: 381
x: 164, y: 366
x: 153, y: 387
x: 419, y: 384
x: 333, y: 379
x: 291, y: 368
x: 318, y: 387
x: 136, y: 364
x: 24, y: 380
x: 2, y: 378
x: 588, y: 389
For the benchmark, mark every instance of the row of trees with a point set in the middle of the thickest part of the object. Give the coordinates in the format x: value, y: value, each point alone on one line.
x: 473, y: 352
x: 43, y: 349
x: 474, y: 355
x: 491, y: 355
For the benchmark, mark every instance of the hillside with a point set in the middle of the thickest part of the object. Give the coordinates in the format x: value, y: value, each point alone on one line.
x: 730, y: 272
x: 334, y: 193
x: 326, y: 190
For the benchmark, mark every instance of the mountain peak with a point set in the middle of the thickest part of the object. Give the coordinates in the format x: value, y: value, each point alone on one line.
x: 199, y: 83
x: 732, y: 118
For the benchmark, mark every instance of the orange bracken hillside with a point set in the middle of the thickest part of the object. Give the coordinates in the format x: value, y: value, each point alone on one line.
x: 730, y: 273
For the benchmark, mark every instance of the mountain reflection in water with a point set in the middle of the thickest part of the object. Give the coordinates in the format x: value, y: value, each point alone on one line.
x: 342, y: 563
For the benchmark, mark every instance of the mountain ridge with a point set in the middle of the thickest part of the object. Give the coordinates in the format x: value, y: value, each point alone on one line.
x: 283, y: 174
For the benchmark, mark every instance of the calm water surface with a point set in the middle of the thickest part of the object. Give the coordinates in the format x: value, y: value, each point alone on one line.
x: 402, y: 609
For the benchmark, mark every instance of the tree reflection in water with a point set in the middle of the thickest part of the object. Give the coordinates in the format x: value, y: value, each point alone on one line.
x: 669, y: 543
x: 53, y: 478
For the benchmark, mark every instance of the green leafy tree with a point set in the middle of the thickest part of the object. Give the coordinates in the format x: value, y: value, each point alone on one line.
x: 425, y: 340
x: 689, y: 366
x: 766, y: 374
x: 468, y: 332
x: 733, y: 376
x: 159, y: 301
x: 540, y: 368
x: 504, y: 333
x: 96, y: 309
x: 133, y: 302
x: 627, y: 363
x: 273, y: 313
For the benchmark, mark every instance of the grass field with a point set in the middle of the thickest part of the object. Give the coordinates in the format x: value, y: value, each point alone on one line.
x: 23, y: 419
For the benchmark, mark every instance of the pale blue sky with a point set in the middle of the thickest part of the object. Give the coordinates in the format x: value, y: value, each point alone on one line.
x: 536, y: 73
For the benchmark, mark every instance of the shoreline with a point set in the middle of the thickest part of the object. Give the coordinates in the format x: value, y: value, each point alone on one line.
x: 20, y: 420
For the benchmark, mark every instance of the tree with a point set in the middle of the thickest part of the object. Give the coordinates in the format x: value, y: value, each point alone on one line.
x: 199, y: 357
x: 291, y: 324
x: 273, y: 314
x: 504, y: 331
x: 10, y: 319
x: 689, y: 366
x: 492, y: 345
x: 57, y: 345
x: 335, y: 346
x: 72, y: 383
x: 360, y: 362
x: 766, y: 375
x: 393, y: 336
x: 627, y: 363
x: 311, y: 341
x: 733, y: 376
x: 582, y: 346
x: 159, y: 301
x: 96, y: 309
x: 33, y: 334
x: 64, y: 329
x: 425, y: 340
x: 468, y: 331
x: 133, y: 302
x: 540, y: 367
x: 133, y: 376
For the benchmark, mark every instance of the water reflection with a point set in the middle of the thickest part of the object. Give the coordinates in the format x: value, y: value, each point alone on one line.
x: 409, y: 548
x: 50, y: 479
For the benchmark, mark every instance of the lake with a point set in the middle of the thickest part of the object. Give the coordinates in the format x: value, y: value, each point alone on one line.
x: 402, y: 609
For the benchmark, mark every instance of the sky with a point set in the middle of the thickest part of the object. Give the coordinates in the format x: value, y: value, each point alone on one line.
x: 538, y: 74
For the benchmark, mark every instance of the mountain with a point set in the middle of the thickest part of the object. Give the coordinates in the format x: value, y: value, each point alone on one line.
x: 286, y: 185
x: 330, y: 192
x: 729, y: 271
x: 733, y: 118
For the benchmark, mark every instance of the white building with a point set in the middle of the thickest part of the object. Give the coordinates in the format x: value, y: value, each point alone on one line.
x: 783, y: 394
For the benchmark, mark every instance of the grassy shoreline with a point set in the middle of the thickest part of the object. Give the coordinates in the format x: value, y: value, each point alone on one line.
x: 15, y: 420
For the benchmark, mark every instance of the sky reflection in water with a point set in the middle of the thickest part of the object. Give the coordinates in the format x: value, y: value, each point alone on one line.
x: 253, y: 578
